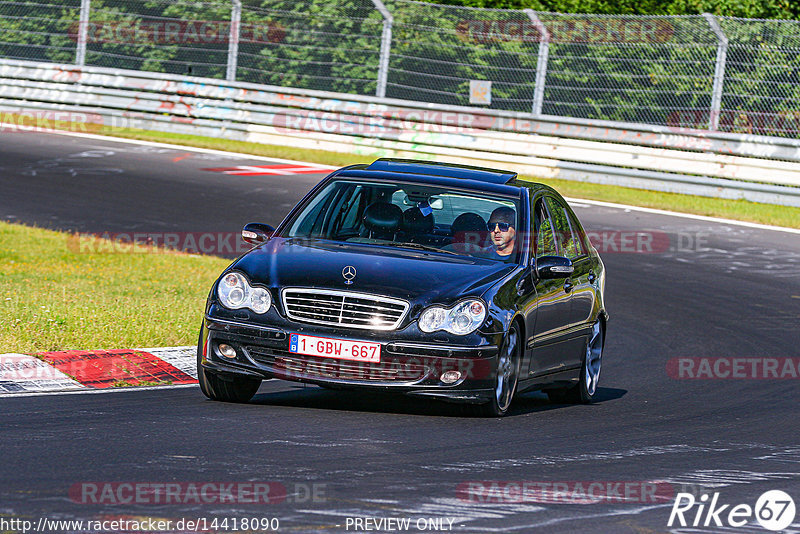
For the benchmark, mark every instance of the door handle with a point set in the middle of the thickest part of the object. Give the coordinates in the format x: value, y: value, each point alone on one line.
x: 592, y: 277
x: 567, y: 286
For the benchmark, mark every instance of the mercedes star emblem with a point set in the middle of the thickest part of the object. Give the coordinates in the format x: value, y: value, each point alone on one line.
x: 349, y: 273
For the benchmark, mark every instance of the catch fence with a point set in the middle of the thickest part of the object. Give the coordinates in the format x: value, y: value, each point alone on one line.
x: 690, y: 72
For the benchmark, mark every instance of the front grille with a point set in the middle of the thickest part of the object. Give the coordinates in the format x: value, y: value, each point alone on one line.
x: 287, y: 364
x: 343, y: 308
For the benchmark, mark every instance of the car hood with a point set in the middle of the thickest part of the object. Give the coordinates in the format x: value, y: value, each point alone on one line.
x: 417, y: 276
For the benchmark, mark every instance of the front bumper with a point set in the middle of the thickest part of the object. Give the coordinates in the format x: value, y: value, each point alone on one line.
x: 410, y: 367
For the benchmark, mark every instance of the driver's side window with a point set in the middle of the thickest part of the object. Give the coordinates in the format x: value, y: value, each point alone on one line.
x: 544, y: 239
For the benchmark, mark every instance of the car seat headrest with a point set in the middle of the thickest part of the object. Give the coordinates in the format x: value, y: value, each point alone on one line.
x: 416, y: 223
x: 383, y: 217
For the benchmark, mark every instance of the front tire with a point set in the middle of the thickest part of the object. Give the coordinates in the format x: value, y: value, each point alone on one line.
x: 585, y: 391
x: 506, y: 377
x: 236, y: 389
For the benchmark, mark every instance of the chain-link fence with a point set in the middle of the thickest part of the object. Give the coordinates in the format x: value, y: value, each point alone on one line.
x: 727, y: 74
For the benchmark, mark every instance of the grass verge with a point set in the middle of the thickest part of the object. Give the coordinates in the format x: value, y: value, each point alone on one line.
x: 53, y: 297
x: 712, y: 207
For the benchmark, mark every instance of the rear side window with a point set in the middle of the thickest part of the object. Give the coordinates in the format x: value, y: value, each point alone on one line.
x: 577, y: 233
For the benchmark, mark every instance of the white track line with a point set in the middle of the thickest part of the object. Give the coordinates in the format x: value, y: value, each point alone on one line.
x: 685, y: 215
x: 183, y: 147
x: 329, y: 167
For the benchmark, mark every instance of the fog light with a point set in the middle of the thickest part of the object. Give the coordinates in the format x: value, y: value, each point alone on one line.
x: 450, y: 377
x: 227, y: 351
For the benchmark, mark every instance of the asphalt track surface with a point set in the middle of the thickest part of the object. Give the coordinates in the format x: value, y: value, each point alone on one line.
x: 735, y: 294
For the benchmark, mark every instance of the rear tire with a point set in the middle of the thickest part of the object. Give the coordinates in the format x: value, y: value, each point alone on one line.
x: 506, y: 377
x: 237, y: 389
x: 585, y: 390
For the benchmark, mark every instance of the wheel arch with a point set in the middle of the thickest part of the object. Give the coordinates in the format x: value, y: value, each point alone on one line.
x: 519, y: 320
x: 603, y: 318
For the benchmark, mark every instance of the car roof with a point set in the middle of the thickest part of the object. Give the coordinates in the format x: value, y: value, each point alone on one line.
x: 449, y: 170
x: 440, y: 174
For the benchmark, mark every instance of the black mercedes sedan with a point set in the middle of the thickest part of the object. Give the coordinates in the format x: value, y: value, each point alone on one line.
x: 435, y: 280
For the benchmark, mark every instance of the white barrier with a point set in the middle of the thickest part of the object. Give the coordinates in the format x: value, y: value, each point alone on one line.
x: 756, y: 168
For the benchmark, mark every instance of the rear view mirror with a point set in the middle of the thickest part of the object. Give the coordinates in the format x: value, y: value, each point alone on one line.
x: 549, y: 267
x: 422, y: 201
x: 255, y: 233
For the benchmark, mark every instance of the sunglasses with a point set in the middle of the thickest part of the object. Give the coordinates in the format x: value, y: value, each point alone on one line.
x: 504, y: 226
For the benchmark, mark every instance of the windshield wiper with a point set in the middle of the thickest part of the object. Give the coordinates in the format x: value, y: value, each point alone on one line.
x: 421, y: 247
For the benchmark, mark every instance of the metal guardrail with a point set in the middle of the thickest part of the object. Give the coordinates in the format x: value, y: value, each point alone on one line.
x: 757, y: 168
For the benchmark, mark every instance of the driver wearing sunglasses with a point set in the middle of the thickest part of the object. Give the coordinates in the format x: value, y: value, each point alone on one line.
x: 501, y: 230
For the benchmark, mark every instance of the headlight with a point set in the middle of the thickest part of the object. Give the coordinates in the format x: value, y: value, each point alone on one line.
x: 461, y: 319
x: 235, y: 292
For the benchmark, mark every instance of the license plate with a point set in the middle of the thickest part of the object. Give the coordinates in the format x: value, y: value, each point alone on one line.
x: 340, y: 349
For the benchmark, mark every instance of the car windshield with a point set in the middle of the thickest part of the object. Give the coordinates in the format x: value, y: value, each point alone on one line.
x: 411, y: 216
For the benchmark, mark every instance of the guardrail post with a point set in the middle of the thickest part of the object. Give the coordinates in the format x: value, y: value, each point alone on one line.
x: 83, y: 33
x: 233, y: 40
x: 541, y: 61
x: 386, y: 47
x: 719, y: 71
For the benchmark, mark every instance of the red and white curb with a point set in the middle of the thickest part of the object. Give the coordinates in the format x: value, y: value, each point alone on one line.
x: 97, y: 369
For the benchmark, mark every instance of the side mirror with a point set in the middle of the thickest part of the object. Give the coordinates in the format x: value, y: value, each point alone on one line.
x: 255, y: 233
x: 549, y: 267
